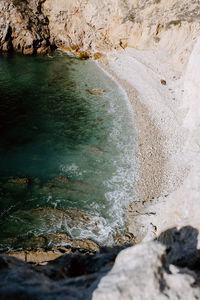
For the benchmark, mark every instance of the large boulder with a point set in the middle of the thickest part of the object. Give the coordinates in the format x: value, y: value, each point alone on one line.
x: 154, y: 271
x: 71, y: 276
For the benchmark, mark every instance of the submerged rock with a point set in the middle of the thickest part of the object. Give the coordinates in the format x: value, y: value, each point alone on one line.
x: 15, y: 184
x: 45, y: 253
x: 57, y: 222
x: 18, y: 180
x: 94, y: 92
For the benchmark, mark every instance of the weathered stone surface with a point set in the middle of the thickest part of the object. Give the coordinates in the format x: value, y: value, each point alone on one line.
x: 99, y: 26
x: 42, y: 255
x: 95, y: 26
x: 18, y: 254
x: 145, y: 272
x: 38, y: 256
x: 23, y: 27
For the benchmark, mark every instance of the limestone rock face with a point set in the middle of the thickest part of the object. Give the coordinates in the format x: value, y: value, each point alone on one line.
x: 145, y: 272
x: 99, y: 26
x: 88, y: 25
x: 23, y: 27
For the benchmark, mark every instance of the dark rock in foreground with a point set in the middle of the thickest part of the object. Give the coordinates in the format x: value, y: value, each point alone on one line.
x: 147, y: 271
x: 72, y: 276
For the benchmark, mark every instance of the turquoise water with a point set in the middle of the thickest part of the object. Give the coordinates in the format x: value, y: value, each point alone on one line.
x: 67, y: 156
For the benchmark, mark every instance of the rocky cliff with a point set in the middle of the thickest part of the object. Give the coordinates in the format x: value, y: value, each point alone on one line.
x: 98, y: 26
x: 23, y: 27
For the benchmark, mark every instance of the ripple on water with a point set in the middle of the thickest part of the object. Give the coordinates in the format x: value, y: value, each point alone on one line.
x: 63, y: 149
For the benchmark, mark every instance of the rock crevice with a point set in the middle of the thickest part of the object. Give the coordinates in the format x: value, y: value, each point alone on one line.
x: 23, y: 27
x: 100, y: 26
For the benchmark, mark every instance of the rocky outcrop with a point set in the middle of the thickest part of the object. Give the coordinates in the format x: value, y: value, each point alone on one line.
x: 154, y: 271
x: 100, y: 26
x: 94, y: 26
x: 23, y: 27
x: 44, y: 253
x: 142, y: 273
x: 168, y: 269
x: 72, y: 276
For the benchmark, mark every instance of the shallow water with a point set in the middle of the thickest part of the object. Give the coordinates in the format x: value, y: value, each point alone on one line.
x: 64, y: 152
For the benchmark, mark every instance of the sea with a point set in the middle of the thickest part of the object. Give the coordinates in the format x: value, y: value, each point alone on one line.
x: 67, y: 151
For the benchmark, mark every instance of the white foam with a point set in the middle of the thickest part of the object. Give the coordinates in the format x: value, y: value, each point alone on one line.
x: 71, y: 169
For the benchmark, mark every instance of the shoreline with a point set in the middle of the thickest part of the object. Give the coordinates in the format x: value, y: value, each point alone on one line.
x: 153, y: 155
x: 150, y: 166
x: 156, y: 178
x: 149, y: 155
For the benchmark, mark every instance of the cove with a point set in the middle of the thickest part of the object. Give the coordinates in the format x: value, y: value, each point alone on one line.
x: 67, y: 156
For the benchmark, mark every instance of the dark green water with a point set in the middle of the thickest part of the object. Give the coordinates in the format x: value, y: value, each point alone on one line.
x: 64, y: 153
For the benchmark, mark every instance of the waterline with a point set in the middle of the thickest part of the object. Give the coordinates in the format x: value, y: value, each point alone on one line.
x: 63, y: 148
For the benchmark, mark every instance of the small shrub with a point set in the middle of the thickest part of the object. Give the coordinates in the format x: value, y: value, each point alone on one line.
x: 131, y: 17
x: 174, y: 22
